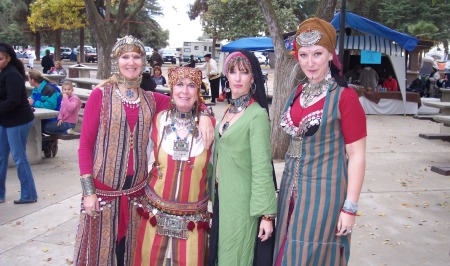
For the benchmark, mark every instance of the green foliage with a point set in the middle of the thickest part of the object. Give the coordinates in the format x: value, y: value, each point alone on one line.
x: 423, y: 29
x: 13, y: 29
x: 232, y: 19
x: 146, y: 28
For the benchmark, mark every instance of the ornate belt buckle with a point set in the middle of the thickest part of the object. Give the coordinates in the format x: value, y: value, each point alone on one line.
x: 172, y: 226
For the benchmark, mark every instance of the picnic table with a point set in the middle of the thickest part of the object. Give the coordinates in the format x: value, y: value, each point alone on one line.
x: 34, y: 141
x: 444, y: 119
x: 54, y: 77
x: 80, y: 71
x: 85, y: 83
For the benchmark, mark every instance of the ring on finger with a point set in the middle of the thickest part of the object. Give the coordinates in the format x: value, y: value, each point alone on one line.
x: 344, y: 230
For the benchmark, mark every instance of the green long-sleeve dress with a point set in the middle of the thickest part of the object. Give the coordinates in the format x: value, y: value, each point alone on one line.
x: 242, y: 160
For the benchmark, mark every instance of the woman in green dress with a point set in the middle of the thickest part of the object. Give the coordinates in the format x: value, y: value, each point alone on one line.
x: 243, y: 171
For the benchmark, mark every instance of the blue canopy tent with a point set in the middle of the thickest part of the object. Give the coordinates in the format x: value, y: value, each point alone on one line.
x: 378, y: 38
x: 250, y: 44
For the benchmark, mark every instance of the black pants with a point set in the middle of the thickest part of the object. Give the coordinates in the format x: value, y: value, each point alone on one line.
x: 215, y: 85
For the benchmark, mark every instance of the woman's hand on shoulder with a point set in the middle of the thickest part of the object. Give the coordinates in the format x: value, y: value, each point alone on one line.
x: 206, y: 129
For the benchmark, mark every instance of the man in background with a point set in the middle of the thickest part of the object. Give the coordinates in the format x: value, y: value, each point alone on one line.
x: 156, y: 59
x: 212, y: 72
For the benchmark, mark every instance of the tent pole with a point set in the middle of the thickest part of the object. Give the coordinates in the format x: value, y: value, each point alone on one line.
x: 341, y: 34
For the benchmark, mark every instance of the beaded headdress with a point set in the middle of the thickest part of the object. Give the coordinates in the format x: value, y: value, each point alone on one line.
x: 315, y: 31
x: 234, y: 58
x: 125, y: 45
x: 178, y: 73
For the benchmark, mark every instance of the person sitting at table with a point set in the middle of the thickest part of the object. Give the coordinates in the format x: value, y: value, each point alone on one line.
x: 431, y: 88
x: 147, y: 83
x: 68, y: 114
x: 390, y: 83
x: 446, y: 82
x: 353, y: 75
x: 158, y: 77
x: 45, y: 95
x: 58, y: 70
x: 368, y: 78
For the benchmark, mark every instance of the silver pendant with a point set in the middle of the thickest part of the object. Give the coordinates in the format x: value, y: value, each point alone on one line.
x: 180, y: 150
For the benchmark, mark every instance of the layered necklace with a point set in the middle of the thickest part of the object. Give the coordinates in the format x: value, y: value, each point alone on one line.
x: 126, y: 100
x: 311, y: 91
x: 129, y: 93
x: 181, y: 121
x: 236, y: 106
x: 240, y: 103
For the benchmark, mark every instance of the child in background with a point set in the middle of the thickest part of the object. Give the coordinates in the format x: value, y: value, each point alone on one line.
x: 68, y: 114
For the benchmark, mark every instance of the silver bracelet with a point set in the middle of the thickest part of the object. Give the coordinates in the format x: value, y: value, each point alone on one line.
x: 351, y: 207
x: 87, y: 185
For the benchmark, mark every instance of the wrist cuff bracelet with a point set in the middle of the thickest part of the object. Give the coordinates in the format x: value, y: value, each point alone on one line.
x: 350, y: 207
x: 87, y: 185
x: 269, y: 217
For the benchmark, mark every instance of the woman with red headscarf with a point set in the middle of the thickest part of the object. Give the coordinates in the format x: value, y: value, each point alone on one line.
x: 325, y: 162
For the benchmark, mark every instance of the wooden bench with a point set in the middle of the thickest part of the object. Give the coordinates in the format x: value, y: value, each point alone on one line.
x: 52, y: 149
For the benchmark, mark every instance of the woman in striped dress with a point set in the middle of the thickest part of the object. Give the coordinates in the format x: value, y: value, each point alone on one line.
x: 174, y: 222
x: 325, y: 161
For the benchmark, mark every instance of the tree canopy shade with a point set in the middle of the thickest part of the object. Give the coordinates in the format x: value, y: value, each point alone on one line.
x: 368, y: 26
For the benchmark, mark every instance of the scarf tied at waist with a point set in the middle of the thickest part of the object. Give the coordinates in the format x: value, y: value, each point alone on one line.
x: 110, y: 194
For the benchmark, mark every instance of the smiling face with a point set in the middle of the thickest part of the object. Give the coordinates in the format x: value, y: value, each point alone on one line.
x: 130, y: 65
x: 314, y: 62
x: 240, y: 78
x: 185, y: 94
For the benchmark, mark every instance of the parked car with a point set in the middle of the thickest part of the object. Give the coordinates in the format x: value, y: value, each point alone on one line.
x: 90, y: 55
x: 65, y: 53
x: 261, y: 58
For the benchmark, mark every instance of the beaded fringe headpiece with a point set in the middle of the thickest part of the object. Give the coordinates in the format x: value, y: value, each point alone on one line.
x: 125, y: 45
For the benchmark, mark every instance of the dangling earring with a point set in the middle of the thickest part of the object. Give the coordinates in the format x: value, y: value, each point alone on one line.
x: 226, y: 84
x: 253, y: 88
x: 329, y: 64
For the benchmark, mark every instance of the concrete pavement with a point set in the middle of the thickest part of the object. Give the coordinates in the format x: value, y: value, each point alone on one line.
x: 405, y: 207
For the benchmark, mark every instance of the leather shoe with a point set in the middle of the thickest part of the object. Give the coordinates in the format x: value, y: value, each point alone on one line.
x: 22, y: 201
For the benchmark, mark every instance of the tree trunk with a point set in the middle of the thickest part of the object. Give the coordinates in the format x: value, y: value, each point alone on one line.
x: 37, y: 45
x: 81, y: 51
x: 57, y: 54
x: 106, y: 30
x: 213, y: 48
x: 325, y: 9
x: 286, y: 76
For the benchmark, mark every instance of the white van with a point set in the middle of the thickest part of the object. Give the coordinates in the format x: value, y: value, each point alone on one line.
x: 169, y: 55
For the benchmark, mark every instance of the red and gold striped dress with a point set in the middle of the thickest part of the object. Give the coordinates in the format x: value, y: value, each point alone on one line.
x: 178, y: 184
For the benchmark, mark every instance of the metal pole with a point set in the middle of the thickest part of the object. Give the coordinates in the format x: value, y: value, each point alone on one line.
x: 341, y: 34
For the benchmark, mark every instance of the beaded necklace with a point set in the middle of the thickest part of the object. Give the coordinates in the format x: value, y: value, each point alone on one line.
x: 240, y: 103
x: 311, y: 91
x: 182, y: 147
x: 132, y: 104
